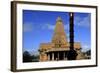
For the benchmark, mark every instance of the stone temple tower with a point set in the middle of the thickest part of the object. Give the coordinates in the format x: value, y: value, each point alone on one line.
x: 59, y: 46
x: 59, y: 36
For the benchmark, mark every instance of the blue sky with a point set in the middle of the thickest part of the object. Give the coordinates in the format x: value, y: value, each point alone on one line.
x: 38, y: 27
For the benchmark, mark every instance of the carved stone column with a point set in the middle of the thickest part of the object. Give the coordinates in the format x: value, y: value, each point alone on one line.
x: 48, y: 57
x: 64, y: 55
x: 52, y: 56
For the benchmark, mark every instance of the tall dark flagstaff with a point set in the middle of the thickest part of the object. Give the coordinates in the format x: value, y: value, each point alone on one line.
x: 72, y: 53
x: 71, y: 15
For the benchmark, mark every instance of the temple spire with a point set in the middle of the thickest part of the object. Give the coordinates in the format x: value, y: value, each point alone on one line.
x: 59, y: 33
x: 59, y: 19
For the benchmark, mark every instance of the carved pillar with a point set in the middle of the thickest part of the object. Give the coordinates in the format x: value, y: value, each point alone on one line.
x: 48, y: 57
x: 64, y: 55
x: 52, y: 56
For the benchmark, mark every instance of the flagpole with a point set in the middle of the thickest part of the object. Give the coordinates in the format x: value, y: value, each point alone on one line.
x: 71, y: 53
x: 71, y: 15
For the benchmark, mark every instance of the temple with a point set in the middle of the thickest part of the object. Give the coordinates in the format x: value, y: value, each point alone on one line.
x: 58, y: 48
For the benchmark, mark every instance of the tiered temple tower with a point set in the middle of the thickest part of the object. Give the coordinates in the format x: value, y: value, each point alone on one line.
x: 58, y: 48
x: 59, y: 38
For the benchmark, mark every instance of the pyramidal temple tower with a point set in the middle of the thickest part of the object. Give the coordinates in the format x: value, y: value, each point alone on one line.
x: 59, y: 46
x: 59, y: 36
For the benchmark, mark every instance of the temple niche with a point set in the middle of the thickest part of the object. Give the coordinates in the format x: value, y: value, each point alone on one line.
x: 59, y: 46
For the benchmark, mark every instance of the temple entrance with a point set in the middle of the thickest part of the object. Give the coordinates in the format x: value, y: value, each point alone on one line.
x: 57, y: 55
x: 61, y: 56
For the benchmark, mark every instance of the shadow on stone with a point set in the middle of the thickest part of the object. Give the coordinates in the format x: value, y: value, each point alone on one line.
x: 72, y: 55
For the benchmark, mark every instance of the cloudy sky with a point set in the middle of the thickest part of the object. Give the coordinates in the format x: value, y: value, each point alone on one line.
x: 38, y: 27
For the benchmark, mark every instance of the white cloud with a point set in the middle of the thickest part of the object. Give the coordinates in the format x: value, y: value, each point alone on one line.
x: 84, y: 22
x: 27, y: 27
x: 31, y: 51
x: 66, y: 27
x: 52, y: 27
x: 85, y: 47
x: 48, y: 26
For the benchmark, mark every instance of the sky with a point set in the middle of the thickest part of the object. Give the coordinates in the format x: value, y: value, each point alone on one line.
x: 38, y: 27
